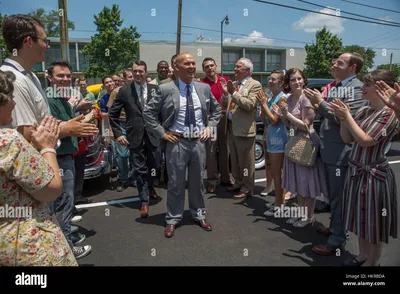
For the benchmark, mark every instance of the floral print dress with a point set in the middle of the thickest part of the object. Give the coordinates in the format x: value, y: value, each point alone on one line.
x: 35, y: 239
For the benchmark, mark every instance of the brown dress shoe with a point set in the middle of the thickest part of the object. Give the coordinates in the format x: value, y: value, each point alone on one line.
x: 241, y: 195
x: 324, y: 231
x: 204, y: 225
x: 144, y: 210
x: 325, y: 249
x: 169, y: 231
x: 211, y: 189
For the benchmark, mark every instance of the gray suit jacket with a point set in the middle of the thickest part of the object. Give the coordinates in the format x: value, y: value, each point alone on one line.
x: 162, y: 110
x: 333, y: 150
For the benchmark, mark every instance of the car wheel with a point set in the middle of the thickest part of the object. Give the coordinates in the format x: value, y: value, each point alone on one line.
x: 259, y: 153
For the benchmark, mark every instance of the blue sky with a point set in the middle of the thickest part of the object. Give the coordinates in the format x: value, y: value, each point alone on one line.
x: 249, y: 21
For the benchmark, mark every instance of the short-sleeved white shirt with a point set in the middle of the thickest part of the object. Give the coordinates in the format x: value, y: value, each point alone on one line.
x: 30, y: 103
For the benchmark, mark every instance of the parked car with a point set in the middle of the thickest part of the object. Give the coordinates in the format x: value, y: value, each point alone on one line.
x: 99, y: 159
x: 259, y: 149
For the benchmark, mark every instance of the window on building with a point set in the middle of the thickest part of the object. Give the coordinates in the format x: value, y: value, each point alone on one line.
x: 229, y: 59
x: 256, y: 58
x: 273, y: 60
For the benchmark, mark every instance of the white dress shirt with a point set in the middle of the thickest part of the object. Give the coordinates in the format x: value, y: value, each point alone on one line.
x: 137, y: 87
x: 179, y: 125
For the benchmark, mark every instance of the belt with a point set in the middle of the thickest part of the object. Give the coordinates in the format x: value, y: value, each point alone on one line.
x: 183, y: 137
x: 378, y: 169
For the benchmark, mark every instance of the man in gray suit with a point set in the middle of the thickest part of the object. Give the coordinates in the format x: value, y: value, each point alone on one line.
x: 334, y: 151
x: 189, y: 116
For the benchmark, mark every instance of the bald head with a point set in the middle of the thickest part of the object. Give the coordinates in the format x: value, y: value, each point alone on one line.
x: 185, y: 67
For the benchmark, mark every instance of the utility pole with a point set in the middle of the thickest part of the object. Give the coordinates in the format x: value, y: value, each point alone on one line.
x: 391, y: 59
x: 64, y: 40
x: 178, y: 35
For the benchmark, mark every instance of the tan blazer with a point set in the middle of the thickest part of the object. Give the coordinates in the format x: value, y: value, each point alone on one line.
x: 244, y: 109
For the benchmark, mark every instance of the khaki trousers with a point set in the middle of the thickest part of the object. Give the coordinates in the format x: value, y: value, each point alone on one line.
x: 242, y: 160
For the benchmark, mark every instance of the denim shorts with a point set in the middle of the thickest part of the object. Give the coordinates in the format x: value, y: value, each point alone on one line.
x: 277, y: 138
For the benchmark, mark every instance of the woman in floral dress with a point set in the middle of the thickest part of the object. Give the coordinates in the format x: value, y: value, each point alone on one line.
x: 29, y: 177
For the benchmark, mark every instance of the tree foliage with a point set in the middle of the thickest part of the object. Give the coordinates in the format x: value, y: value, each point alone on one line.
x: 3, y: 50
x: 51, y: 21
x: 320, y: 54
x: 395, y: 68
x: 112, y: 49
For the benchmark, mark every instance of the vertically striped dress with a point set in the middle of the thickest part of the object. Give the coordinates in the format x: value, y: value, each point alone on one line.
x: 369, y: 207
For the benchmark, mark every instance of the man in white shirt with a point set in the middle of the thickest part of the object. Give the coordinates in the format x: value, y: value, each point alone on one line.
x: 27, y: 41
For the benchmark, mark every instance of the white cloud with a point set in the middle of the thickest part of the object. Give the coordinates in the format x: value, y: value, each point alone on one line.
x: 313, y: 22
x: 254, y: 38
x: 387, y: 18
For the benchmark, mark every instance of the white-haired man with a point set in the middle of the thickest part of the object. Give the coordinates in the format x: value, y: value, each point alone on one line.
x: 241, y: 105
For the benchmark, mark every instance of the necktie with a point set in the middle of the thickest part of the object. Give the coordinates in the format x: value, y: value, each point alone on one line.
x: 190, y: 116
x: 142, y: 96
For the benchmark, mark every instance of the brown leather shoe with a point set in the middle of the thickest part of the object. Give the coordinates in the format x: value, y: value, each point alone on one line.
x: 325, y: 249
x: 324, y: 231
x: 211, y: 189
x: 144, y: 210
x: 241, y: 195
x: 204, y: 225
x: 169, y: 231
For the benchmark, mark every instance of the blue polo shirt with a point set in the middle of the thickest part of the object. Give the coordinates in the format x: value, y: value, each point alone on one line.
x: 103, y: 103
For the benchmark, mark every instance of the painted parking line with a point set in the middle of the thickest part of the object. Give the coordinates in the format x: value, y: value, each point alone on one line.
x: 135, y: 199
x: 111, y: 202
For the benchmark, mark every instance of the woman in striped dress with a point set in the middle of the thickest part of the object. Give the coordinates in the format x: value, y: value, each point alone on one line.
x: 369, y: 207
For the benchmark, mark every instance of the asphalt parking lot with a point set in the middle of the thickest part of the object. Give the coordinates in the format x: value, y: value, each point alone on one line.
x: 241, y: 235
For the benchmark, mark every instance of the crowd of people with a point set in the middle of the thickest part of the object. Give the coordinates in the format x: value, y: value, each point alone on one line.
x: 195, y: 126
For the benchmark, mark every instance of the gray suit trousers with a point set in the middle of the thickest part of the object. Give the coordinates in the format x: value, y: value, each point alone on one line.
x: 180, y: 156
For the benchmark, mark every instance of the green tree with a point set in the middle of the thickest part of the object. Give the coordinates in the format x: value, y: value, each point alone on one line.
x: 112, y: 49
x: 320, y: 54
x: 395, y: 68
x: 51, y: 21
x: 3, y: 50
x: 367, y: 54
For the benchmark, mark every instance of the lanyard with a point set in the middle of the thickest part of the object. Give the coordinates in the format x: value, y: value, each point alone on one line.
x: 38, y: 86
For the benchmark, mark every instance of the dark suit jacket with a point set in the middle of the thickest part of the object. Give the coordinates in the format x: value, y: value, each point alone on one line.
x: 128, y: 99
x: 167, y: 103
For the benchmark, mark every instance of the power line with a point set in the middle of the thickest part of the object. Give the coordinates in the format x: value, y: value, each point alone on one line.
x: 333, y: 15
x: 379, y: 37
x: 390, y: 41
x: 371, y: 6
x: 342, y: 11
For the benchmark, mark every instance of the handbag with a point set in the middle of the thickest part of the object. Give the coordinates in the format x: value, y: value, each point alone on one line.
x: 300, y: 149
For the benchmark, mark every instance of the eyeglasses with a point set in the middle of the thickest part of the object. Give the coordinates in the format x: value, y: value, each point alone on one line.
x: 47, y: 41
x: 273, y: 79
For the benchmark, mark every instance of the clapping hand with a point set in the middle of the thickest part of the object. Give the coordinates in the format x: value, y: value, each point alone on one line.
x: 262, y: 97
x: 390, y: 96
x: 314, y: 96
x: 339, y: 109
x: 224, y: 86
x: 46, y: 134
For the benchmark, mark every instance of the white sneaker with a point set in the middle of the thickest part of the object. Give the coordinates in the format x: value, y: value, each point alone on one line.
x: 81, y: 251
x: 76, y: 219
x: 270, y: 212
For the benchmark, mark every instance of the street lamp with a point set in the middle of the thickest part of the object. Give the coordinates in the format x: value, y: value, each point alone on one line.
x: 226, y: 20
